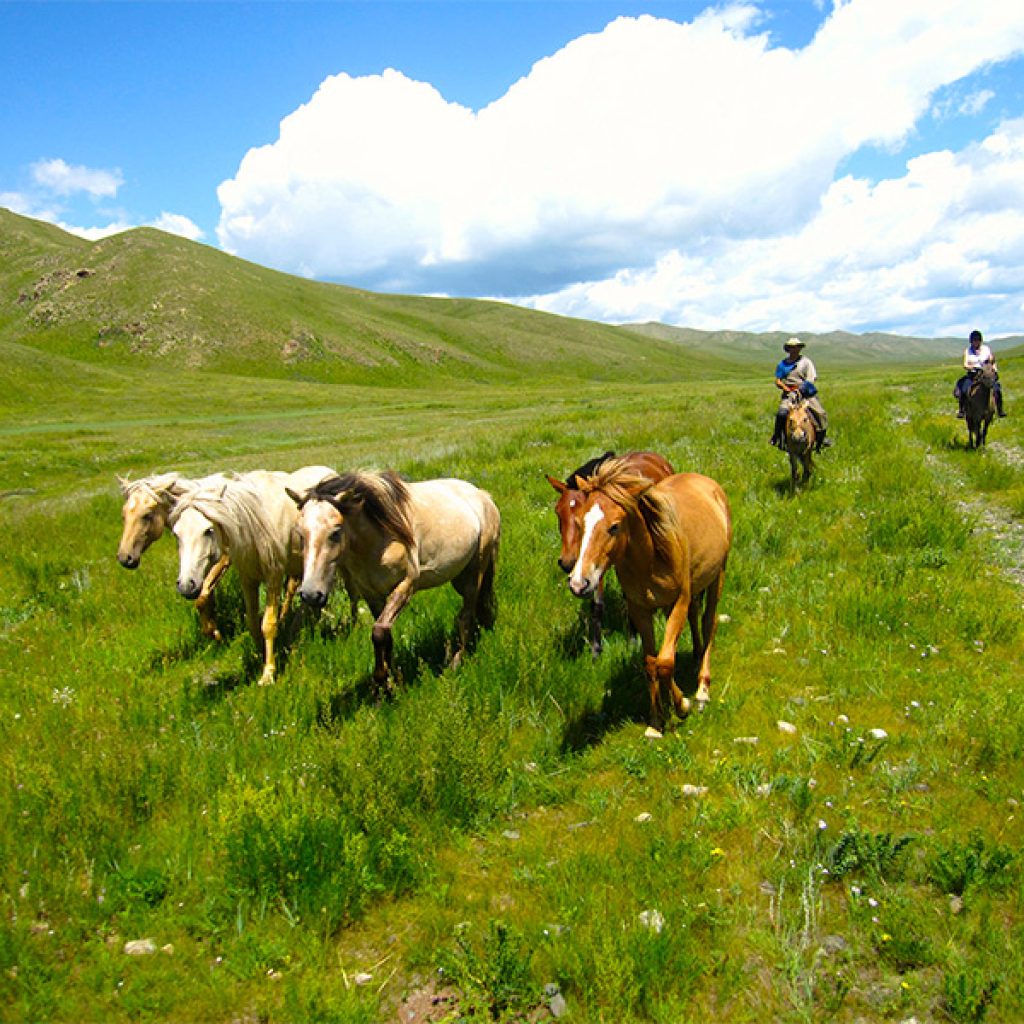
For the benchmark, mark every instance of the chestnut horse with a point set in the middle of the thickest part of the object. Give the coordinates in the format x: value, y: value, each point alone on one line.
x: 669, y: 543
x: 148, y: 503
x: 980, y: 406
x: 570, y: 522
x: 801, y: 435
x: 390, y: 539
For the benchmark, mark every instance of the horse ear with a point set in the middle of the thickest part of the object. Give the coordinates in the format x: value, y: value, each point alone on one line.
x: 299, y: 499
x: 557, y: 484
x: 124, y: 483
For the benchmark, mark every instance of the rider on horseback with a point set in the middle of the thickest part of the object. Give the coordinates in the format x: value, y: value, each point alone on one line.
x: 976, y: 355
x: 794, y: 377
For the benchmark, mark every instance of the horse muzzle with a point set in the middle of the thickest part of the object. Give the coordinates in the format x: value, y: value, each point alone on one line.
x: 189, y: 589
x: 128, y: 561
x: 581, y: 587
x: 314, y: 598
x: 566, y: 564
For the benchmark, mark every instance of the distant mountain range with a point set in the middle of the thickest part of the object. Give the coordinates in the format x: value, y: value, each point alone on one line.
x: 148, y: 296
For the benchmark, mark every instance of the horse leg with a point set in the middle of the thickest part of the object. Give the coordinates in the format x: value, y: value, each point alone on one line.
x: 710, y: 625
x: 808, y: 464
x: 251, y: 596
x: 207, y: 623
x: 383, y: 645
x: 666, y: 660
x: 643, y: 622
x: 794, y: 466
x: 597, y: 620
x: 271, y: 618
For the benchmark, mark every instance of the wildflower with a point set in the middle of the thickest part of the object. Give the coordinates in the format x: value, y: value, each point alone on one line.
x: 718, y: 852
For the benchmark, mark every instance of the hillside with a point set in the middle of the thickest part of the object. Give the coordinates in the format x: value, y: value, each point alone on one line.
x: 146, y: 295
x: 145, y: 299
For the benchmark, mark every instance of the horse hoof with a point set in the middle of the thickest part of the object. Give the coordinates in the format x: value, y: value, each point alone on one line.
x: 653, y: 734
x: 683, y: 707
x: 268, y: 678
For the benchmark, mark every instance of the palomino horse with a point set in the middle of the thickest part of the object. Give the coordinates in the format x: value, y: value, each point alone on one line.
x: 980, y: 406
x: 801, y: 435
x: 391, y: 539
x: 251, y: 518
x: 148, y: 502
x: 669, y: 543
x: 570, y: 522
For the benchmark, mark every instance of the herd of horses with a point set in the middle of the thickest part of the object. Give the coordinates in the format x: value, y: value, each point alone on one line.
x: 666, y: 534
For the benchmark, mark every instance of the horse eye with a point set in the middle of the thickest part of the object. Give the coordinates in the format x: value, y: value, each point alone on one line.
x: 335, y: 537
x: 209, y: 532
x: 613, y: 529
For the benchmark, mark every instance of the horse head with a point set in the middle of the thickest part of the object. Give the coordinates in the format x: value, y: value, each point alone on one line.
x: 799, y: 425
x: 570, y: 524
x: 321, y: 528
x: 145, y: 511
x: 199, y: 547
x: 604, y: 535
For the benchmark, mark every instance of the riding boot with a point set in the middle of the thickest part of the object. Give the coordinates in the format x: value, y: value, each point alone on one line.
x: 823, y: 441
x: 960, y: 411
x: 779, y: 434
x: 999, y: 405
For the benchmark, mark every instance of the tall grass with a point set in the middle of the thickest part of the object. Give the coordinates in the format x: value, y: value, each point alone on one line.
x: 506, y: 822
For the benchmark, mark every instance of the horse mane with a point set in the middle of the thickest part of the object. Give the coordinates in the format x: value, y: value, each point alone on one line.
x: 164, y: 488
x: 587, y: 469
x: 634, y: 494
x: 383, y: 497
x: 235, y: 507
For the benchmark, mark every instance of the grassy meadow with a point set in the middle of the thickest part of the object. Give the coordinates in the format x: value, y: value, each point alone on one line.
x: 837, y: 838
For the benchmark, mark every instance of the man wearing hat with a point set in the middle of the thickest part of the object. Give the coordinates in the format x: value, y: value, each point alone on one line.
x: 796, y: 375
x: 976, y: 355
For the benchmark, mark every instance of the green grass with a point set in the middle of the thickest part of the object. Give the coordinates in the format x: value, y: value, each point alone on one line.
x: 488, y: 823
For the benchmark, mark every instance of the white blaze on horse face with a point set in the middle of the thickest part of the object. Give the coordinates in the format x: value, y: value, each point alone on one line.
x: 144, y: 521
x: 585, y: 574
x: 198, y: 549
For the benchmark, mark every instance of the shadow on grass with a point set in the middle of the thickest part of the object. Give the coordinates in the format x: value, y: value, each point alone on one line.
x: 626, y: 699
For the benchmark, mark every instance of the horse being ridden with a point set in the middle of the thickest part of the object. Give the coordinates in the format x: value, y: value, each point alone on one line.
x: 669, y: 543
x: 570, y: 523
x: 148, y: 504
x: 391, y: 539
x: 251, y: 518
x: 980, y: 405
x: 801, y: 434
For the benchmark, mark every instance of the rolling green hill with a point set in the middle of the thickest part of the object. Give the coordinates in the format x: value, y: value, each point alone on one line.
x: 145, y: 300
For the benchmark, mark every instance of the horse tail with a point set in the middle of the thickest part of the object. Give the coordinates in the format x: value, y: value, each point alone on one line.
x: 487, y: 601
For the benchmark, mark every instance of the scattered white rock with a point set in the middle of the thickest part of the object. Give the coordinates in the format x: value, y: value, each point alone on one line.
x: 688, y: 789
x: 843, y: 719
x: 787, y: 727
x: 363, y: 978
x: 168, y: 949
x: 652, y: 920
x: 139, y: 947
x: 510, y: 833
x: 878, y: 734
x: 643, y: 818
x: 652, y: 734
x: 765, y: 789
x: 751, y: 741
x: 724, y: 618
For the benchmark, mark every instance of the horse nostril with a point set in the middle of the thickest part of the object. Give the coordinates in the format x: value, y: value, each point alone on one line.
x: 314, y: 598
x: 566, y: 564
x: 128, y: 561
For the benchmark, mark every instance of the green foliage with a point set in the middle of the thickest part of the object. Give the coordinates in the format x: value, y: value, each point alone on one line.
x: 967, y: 993
x: 960, y: 865
x: 857, y: 851
x: 492, y: 973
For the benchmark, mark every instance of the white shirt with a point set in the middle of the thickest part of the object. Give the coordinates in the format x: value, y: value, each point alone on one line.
x: 974, y: 359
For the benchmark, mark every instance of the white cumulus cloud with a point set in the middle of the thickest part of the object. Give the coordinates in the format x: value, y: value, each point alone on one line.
x: 640, y: 170
x: 63, y: 179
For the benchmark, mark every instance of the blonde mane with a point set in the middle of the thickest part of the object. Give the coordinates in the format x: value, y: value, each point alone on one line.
x: 236, y: 508
x: 634, y: 494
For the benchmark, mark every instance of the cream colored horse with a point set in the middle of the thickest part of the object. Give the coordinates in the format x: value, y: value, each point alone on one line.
x: 148, y: 503
x: 801, y: 435
x: 669, y: 543
x: 250, y: 518
x: 390, y: 539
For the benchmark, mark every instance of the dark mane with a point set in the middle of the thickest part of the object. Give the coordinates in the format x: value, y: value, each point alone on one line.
x: 382, y: 497
x: 587, y: 469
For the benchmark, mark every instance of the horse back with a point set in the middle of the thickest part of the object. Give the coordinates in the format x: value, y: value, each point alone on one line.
x: 703, y: 521
x: 649, y: 464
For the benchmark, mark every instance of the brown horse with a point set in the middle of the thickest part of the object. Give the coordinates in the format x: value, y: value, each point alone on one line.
x: 801, y: 435
x: 390, y: 539
x: 980, y: 406
x: 570, y: 522
x: 669, y: 543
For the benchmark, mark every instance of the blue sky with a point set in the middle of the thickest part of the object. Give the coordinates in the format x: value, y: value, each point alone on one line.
x: 777, y: 165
